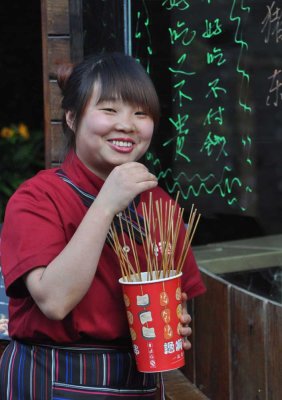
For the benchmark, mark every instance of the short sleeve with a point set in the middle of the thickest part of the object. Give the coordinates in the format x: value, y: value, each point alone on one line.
x: 32, y: 235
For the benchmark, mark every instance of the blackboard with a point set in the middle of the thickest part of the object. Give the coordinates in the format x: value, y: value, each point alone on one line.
x: 217, y: 68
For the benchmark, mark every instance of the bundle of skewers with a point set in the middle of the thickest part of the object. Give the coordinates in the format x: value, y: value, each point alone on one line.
x: 160, y: 223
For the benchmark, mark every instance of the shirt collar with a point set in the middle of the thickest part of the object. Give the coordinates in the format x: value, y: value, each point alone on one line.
x: 82, y: 176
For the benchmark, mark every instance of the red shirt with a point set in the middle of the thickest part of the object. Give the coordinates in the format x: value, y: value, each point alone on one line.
x: 40, y: 219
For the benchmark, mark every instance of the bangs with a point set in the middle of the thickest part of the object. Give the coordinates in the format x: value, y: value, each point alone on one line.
x: 131, y: 85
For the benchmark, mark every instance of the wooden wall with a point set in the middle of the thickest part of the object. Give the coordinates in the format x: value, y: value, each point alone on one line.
x: 238, y: 346
x: 56, y: 45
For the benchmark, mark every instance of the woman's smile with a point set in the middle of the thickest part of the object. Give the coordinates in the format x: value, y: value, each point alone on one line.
x: 121, y: 145
x: 112, y: 133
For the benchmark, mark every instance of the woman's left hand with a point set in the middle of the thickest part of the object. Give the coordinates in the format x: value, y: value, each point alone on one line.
x: 185, y: 319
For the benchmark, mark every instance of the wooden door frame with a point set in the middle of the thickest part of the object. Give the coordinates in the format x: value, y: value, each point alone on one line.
x: 61, y: 43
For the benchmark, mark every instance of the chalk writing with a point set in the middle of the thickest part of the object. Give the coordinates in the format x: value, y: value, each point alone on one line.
x: 217, y: 68
x: 272, y: 24
x: 216, y: 56
x: 215, y: 88
x: 181, y: 32
x: 275, y: 90
x: 216, y: 115
x: 188, y: 47
x: 178, y: 4
x: 212, y: 28
x: 211, y: 142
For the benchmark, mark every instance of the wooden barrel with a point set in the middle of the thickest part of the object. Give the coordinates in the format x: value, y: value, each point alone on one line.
x: 237, y: 336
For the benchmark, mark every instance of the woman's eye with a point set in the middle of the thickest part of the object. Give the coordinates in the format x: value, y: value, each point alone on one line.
x: 111, y: 110
x: 140, y: 113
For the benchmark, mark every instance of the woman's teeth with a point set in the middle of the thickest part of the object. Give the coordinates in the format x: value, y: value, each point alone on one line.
x: 119, y: 143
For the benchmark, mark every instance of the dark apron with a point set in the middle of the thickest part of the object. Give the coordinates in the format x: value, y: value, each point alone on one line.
x: 39, y: 372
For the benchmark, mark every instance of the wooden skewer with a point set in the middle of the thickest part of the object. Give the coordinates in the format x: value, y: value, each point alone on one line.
x: 133, y: 246
x: 161, y: 223
x: 186, y: 249
x: 148, y: 243
x: 119, y: 252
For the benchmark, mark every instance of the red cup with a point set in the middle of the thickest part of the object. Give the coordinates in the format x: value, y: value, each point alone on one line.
x: 153, y: 310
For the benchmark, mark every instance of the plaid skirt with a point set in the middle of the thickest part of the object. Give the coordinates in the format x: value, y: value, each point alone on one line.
x: 39, y: 372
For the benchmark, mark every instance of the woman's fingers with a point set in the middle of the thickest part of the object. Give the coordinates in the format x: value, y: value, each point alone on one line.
x: 185, y: 319
x: 124, y: 183
x: 186, y: 344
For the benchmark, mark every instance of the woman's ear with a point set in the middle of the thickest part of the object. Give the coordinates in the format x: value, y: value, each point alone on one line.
x: 70, y: 120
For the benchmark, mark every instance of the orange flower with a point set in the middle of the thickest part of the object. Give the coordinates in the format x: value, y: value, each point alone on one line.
x: 23, y: 131
x: 7, y: 132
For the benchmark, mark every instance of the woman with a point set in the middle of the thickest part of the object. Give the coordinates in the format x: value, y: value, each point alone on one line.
x: 70, y: 336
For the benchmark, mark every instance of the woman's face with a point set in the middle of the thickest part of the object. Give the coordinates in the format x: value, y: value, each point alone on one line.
x: 112, y: 133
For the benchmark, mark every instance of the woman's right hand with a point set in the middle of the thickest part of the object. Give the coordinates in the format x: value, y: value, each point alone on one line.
x: 123, y: 184
x: 57, y: 289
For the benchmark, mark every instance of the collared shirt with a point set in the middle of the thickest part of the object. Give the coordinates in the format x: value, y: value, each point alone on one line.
x: 40, y: 219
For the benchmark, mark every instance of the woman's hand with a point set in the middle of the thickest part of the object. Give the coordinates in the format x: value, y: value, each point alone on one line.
x: 185, y: 319
x: 57, y: 289
x: 123, y: 184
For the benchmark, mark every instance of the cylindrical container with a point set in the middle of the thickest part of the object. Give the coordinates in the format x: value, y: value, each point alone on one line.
x: 153, y: 310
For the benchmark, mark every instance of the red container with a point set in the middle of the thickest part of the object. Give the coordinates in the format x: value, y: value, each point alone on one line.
x: 153, y: 309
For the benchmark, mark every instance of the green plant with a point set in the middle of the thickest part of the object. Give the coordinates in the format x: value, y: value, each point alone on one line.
x: 21, y: 156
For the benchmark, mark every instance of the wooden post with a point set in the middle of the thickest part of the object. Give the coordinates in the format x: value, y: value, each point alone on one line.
x: 56, y: 48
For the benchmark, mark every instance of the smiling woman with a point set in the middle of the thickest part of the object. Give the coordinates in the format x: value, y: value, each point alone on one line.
x: 112, y: 133
x: 110, y: 112
x: 107, y: 83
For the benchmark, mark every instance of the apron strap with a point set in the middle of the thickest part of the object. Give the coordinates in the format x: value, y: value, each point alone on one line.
x: 128, y: 218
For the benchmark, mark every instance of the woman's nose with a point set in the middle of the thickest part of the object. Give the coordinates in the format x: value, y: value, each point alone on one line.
x: 125, y: 123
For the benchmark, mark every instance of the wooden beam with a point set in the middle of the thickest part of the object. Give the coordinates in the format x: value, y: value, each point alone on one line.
x: 177, y: 387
